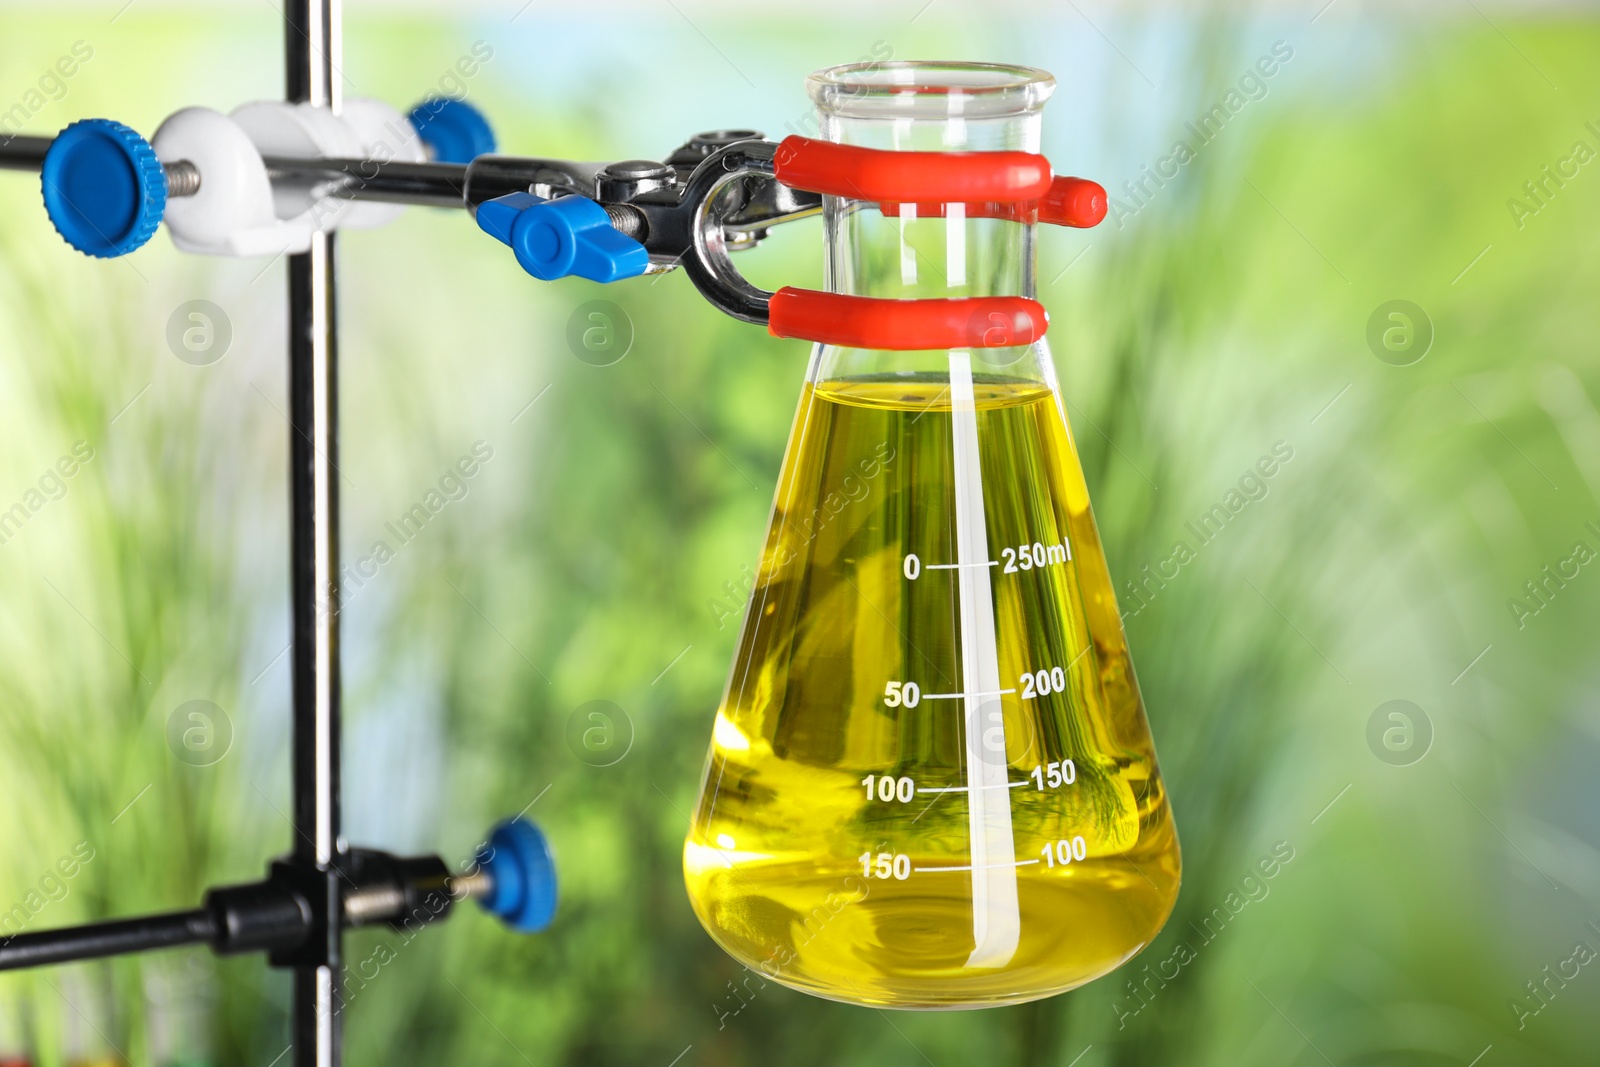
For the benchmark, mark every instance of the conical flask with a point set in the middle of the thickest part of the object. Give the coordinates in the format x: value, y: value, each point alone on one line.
x: 931, y: 783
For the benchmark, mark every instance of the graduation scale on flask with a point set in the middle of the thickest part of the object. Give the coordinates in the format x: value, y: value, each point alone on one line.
x: 931, y: 783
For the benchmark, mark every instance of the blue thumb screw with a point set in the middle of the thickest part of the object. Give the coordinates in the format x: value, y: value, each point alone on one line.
x: 556, y: 238
x: 456, y: 131
x: 521, y: 874
x: 104, y: 189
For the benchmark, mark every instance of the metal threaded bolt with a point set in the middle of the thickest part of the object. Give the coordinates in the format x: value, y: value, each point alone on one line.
x: 471, y: 886
x: 183, y: 178
x: 373, y: 902
x: 626, y: 220
x: 376, y: 903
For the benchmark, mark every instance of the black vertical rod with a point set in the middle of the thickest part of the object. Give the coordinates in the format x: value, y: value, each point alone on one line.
x: 312, y: 51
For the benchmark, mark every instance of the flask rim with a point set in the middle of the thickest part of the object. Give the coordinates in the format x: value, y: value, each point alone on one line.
x: 924, y: 88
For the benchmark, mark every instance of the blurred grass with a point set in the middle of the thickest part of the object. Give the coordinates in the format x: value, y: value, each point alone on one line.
x: 1226, y: 317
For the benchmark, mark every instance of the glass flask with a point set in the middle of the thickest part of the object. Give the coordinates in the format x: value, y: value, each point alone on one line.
x: 931, y: 783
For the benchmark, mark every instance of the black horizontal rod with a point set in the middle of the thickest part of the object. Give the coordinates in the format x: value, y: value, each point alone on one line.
x: 22, y: 152
x: 271, y: 915
x: 96, y: 940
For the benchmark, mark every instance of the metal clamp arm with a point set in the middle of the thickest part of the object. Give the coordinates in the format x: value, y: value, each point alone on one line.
x: 512, y: 877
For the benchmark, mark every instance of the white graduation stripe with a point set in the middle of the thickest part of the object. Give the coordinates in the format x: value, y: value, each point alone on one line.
x: 996, y: 920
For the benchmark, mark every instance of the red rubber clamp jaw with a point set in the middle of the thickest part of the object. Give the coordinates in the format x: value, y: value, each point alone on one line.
x: 906, y: 325
x: 1017, y: 186
x: 910, y: 177
x: 1014, y: 186
x: 1075, y: 202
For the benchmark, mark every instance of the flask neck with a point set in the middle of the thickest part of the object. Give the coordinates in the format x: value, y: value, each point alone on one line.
x: 918, y: 252
x: 928, y: 107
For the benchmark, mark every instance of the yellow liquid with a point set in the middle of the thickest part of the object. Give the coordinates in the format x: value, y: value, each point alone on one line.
x: 858, y: 841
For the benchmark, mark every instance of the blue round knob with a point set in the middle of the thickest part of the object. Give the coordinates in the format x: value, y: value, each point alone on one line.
x: 455, y: 130
x: 517, y: 861
x: 104, y: 189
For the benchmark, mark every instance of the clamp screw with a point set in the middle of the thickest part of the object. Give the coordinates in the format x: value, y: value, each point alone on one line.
x: 627, y: 179
x: 522, y: 874
x: 104, y: 189
x: 454, y: 130
x: 557, y: 238
x: 636, y: 169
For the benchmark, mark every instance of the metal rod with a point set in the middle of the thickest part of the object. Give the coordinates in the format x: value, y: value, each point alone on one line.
x: 312, y: 49
x: 314, y: 551
x: 22, y: 152
x: 433, y: 184
x: 425, y: 184
x: 97, y: 940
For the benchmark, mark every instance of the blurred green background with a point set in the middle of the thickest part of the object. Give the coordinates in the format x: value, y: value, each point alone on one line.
x: 1442, y: 902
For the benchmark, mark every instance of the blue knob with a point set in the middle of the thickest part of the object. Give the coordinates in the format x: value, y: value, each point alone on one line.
x: 555, y: 238
x: 517, y: 861
x: 455, y: 130
x: 104, y: 189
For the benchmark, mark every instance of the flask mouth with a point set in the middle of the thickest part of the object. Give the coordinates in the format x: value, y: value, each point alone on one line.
x: 927, y: 88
